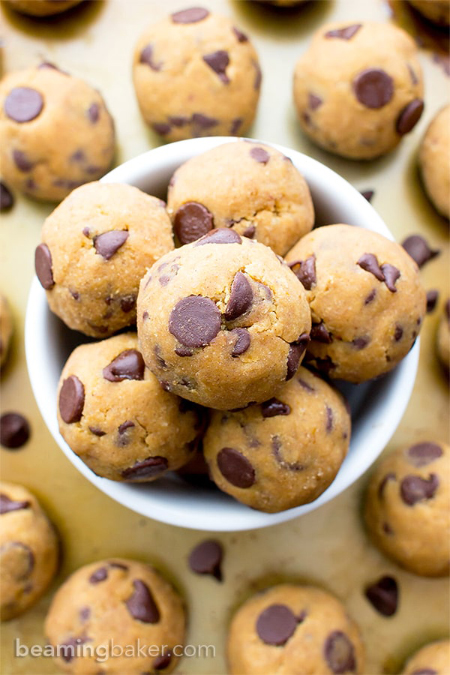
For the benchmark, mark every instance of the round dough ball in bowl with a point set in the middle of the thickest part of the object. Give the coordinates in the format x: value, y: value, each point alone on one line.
x: 432, y: 659
x: 358, y: 88
x: 55, y: 132
x: 377, y: 407
x: 434, y: 155
x: 249, y: 187
x: 196, y: 74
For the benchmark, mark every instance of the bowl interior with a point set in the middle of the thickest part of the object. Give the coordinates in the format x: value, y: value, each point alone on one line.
x: 377, y: 406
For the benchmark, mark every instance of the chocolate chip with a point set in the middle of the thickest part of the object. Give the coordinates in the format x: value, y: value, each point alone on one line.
x: 161, y: 128
x: 84, y: 614
x: 148, y: 468
x: 425, y: 671
x: 295, y: 353
x: 191, y: 15
x: 203, y: 121
x: 409, y: 116
x: 93, y: 113
x: 177, y: 121
x: 339, y: 653
x: 68, y: 649
x: 99, y: 575
x: 14, y: 430
x: 391, y: 274
x: 319, y: 333
x: 260, y: 155
x: 118, y: 566
x: 147, y: 58
x: 305, y: 271
x: 305, y: 385
x: 330, y: 420
x: 194, y: 321
x: 415, y: 489
x: 447, y: 310
x: 192, y: 221
x: 414, y: 78
x: 6, y: 198
x: 162, y: 661
x: 344, y: 33
x: 218, y: 62
x: 242, y: 342
x: 23, y: 104
x: 141, y: 604
x: 236, y: 125
x: 127, y: 303
x: 368, y: 194
x: 360, y: 342
x: 369, y: 263
x: 384, y: 482
x: 71, y: 400
x: 241, y: 37
x: 422, y: 454
x: 75, y: 295
x: 373, y: 88
x: 383, y: 595
x: 128, y: 365
x: 220, y: 236
x: 314, y: 101
x: 432, y: 298
x: 241, y: 297
x: 275, y: 625
x: 206, y: 558
x: 236, y: 468
x: 249, y: 231
x: 184, y: 351
x: 21, y: 161
x: 371, y: 297
x: 417, y: 247
x: 97, y: 432
x: 125, y: 426
x: 108, y: 243
x: 258, y: 76
x: 274, y: 407
x: 7, y: 505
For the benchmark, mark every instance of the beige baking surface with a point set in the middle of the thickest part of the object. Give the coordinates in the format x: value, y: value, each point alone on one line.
x: 327, y: 546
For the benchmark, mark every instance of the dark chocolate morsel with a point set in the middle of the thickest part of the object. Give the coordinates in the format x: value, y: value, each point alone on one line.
x: 93, y: 113
x: 305, y: 271
x: 203, y: 121
x: 43, y: 266
x: 162, y: 661
x: 236, y: 468
x: 373, y: 88
x: 383, y: 595
x: 241, y: 37
x: 7, y: 505
x: 274, y: 407
x: 369, y: 263
x: 330, y: 419
x: 22, y: 161
x: 99, y: 575
x: 141, y: 605
x: 344, y: 33
x: 68, y: 649
x: 391, y: 275
x: 241, y: 297
x: 192, y: 221
x: 260, y: 155
x: 194, y: 321
x: 276, y: 451
x: 222, y: 235
x: 128, y: 365
x: 422, y: 454
x: 6, y: 197
x: 339, y: 653
x: 97, y: 432
x: 276, y: 624
x: 147, y: 58
x: 384, y: 482
x: 191, y: 15
x: 319, y: 333
x: 314, y: 101
x: 360, y: 342
x: 161, y: 128
x: 295, y: 353
x: 409, y: 116
x: 218, y: 62
x: 242, y: 341
x: 417, y: 247
x: 206, y: 558
x: 71, y: 400
x: 368, y: 194
x: 148, y: 468
x: 14, y: 430
x: 23, y: 104
x: 108, y: 243
x: 432, y: 298
x: 415, y: 489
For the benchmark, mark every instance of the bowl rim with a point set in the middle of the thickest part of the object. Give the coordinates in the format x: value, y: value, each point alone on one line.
x: 145, y: 503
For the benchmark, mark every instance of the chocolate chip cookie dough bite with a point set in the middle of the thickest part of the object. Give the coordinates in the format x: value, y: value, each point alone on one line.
x: 443, y: 338
x: 284, y: 452
x: 196, y: 74
x: 115, y: 416
x: 367, y: 301
x: 96, y: 246
x: 249, y: 187
x: 29, y: 550
x: 434, y: 156
x: 432, y: 659
x: 116, y: 602
x: 436, y: 11
x: 55, y: 132
x: 222, y: 321
x: 6, y: 329
x: 291, y: 628
x: 407, y: 508
x: 358, y: 89
x: 42, y: 8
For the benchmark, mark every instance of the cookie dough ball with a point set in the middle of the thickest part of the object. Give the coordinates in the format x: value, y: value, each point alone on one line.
x: 292, y: 628
x: 366, y: 299
x: 433, y: 659
x: 29, y: 550
x: 196, y: 74
x: 96, y: 246
x: 42, y: 7
x: 434, y: 161
x: 6, y: 328
x: 115, y: 416
x: 436, y: 11
x: 407, y: 508
x: 248, y: 187
x: 222, y: 322
x: 284, y: 452
x: 358, y: 88
x: 55, y: 132
x: 443, y: 337
x: 116, y: 602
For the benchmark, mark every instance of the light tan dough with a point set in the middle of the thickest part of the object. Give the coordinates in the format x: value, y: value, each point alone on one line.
x: 91, y: 284
x: 294, y: 629
x: 407, y: 508
x: 434, y: 161
x: 433, y: 659
x: 362, y: 326
x: 249, y: 187
x: 29, y: 550
x: 223, y: 321
x: 196, y: 74
x: 345, y: 108
x: 283, y: 453
x: 55, y: 132
x: 129, y: 428
x: 42, y: 7
x: 116, y: 602
x: 6, y: 328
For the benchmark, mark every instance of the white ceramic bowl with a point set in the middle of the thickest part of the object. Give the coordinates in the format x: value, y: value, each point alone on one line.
x: 377, y: 407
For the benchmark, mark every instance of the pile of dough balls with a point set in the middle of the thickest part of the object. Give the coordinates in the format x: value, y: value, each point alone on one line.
x: 224, y: 323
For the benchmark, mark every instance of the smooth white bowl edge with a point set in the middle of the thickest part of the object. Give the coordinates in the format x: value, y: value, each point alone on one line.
x: 154, y: 168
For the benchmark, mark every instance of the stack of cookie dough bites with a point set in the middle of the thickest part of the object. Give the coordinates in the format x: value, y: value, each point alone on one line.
x: 223, y: 322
